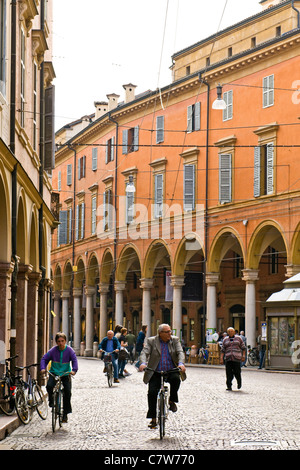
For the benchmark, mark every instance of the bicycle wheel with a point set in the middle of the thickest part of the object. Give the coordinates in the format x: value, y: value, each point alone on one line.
x: 7, y: 400
x: 252, y: 359
x: 56, y: 409
x: 109, y: 369
x: 22, y: 407
x: 40, y: 401
x: 161, y: 415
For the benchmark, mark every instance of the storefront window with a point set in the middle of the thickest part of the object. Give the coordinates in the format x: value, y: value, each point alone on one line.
x: 282, y: 335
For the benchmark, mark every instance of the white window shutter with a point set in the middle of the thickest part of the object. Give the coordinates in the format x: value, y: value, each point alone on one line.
x: 257, y: 170
x: 158, y: 202
x: 225, y: 171
x: 69, y: 174
x: 197, y: 119
x: 189, y: 187
x: 136, y: 139
x: 94, y: 158
x: 125, y: 141
x: 94, y: 208
x: 270, y: 168
x: 129, y: 207
x: 190, y: 118
x: 77, y: 223
x: 159, y: 129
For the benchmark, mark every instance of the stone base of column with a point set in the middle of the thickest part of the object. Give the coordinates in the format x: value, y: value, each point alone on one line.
x: 88, y: 353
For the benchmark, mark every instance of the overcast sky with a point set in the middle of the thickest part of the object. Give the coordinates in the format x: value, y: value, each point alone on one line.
x: 100, y: 45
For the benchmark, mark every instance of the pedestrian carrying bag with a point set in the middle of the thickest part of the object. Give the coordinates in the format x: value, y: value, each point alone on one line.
x: 123, y: 354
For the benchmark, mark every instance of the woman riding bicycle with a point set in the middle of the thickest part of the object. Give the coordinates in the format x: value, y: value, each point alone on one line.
x: 60, y: 356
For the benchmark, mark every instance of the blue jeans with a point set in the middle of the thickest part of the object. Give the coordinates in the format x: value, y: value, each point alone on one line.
x: 115, y: 366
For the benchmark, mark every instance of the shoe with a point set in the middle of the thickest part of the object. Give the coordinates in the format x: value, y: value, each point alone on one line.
x: 121, y: 376
x: 64, y: 419
x: 116, y: 381
x: 173, y: 406
x: 153, y: 424
x: 239, y: 386
x: 229, y: 389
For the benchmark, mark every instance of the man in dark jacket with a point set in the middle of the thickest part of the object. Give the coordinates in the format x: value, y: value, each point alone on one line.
x: 233, y: 351
x: 162, y: 353
x: 112, y: 345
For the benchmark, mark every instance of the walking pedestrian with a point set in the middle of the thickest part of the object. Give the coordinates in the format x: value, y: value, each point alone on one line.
x: 131, y: 340
x: 140, y: 343
x: 242, y: 335
x: 233, y: 351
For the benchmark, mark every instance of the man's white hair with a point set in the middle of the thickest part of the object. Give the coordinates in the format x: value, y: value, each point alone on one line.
x: 162, y: 326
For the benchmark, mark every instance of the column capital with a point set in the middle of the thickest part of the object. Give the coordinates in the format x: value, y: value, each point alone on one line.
x: 292, y: 269
x: 146, y: 283
x: 250, y: 275
x: 89, y: 291
x: 77, y: 292
x: 104, y: 288
x: 65, y: 294
x: 177, y: 281
x: 120, y: 285
x: 24, y: 270
x: 6, y: 269
x: 212, y: 278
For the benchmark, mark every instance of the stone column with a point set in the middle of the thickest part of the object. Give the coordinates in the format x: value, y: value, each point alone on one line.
x: 146, y: 285
x: 292, y: 270
x: 177, y: 282
x: 21, y: 322
x: 250, y: 276
x: 5, y: 279
x: 32, y: 317
x: 89, y: 321
x: 77, y: 293
x: 119, y: 288
x: 65, y: 313
x: 57, y: 313
x: 212, y: 280
x: 104, y: 289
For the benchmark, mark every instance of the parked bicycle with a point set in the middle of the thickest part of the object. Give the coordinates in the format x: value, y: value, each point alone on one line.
x: 29, y: 397
x: 7, y: 389
x: 163, y: 400
x: 57, y: 408
x: 253, y: 356
x: 107, y: 358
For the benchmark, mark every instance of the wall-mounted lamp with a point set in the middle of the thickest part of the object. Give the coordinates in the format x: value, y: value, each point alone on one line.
x: 130, y: 188
x: 245, y: 222
x: 219, y: 103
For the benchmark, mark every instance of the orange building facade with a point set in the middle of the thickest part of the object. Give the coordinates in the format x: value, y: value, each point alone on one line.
x: 211, y: 228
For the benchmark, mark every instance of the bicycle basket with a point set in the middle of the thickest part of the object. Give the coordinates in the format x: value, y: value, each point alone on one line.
x: 107, y: 358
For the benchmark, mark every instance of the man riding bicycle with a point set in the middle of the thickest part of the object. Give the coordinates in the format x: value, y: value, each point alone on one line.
x: 60, y: 356
x: 162, y: 353
x: 111, y: 345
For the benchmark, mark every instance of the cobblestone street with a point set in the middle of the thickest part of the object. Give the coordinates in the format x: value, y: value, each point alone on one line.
x: 264, y: 414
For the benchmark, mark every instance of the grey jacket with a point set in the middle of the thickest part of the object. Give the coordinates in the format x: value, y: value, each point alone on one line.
x: 151, y: 353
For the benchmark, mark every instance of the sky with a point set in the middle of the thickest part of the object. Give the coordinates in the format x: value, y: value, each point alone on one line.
x: 100, y: 45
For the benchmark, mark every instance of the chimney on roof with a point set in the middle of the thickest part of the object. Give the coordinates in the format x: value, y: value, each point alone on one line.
x: 112, y: 101
x: 129, y: 92
x: 101, y: 108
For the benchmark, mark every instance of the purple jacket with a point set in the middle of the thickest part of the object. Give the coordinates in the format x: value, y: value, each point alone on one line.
x: 60, y: 360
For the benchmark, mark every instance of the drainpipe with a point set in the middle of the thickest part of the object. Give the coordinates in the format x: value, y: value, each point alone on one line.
x: 206, y: 205
x: 15, y: 259
x: 41, y: 288
x: 116, y: 198
x: 73, y: 229
x: 298, y: 13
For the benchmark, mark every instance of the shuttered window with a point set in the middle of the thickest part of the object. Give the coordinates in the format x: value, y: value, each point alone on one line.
x: 264, y: 169
x: 160, y: 129
x: 193, y: 117
x: 80, y: 221
x: 94, y: 214
x: 94, y: 158
x: 129, y: 207
x: 107, y: 209
x: 69, y: 174
x: 130, y: 140
x: 268, y: 91
x: 158, y: 195
x: 228, y: 111
x: 189, y: 187
x: 225, y: 175
x: 110, y: 150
